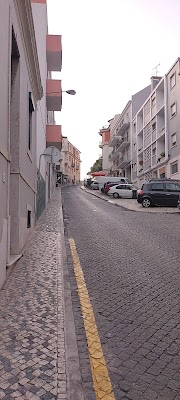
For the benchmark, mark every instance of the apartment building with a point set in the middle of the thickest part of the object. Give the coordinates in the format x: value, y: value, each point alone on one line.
x: 49, y: 49
x: 62, y: 166
x: 21, y: 89
x: 28, y: 100
x: 156, y: 130
x: 74, y: 164
x: 121, y: 135
x: 104, y: 132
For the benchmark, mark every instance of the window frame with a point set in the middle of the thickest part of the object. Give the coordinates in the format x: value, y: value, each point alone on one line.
x: 173, y: 75
x: 173, y: 145
x: 172, y: 165
x: 158, y: 184
x: 174, y: 114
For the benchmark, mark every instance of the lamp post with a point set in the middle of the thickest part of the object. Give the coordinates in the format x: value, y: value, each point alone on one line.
x: 71, y: 92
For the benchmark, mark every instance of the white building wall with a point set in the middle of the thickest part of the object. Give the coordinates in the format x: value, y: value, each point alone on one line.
x: 106, y: 150
x: 40, y: 14
x: 17, y: 163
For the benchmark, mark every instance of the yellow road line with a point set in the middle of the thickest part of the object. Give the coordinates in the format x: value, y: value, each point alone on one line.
x: 102, y: 384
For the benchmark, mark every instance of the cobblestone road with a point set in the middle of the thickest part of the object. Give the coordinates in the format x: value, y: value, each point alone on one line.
x: 32, y: 343
x: 131, y: 265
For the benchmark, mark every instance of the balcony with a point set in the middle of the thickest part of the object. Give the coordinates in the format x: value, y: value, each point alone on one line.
x: 124, y: 126
x: 54, y: 136
x: 54, y: 52
x: 124, y: 143
x: 114, y: 139
x: 160, y: 105
x: 114, y: 154
x: 124, y: 161
x: 161, y: 131
x: 53, y: 95
x: 100, y: 144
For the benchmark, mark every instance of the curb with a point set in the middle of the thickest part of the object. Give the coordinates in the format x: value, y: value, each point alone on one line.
x: 129, y: 209
x: 74, y: 381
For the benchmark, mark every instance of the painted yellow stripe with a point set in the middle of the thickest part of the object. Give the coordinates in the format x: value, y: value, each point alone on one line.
x: 102, y: 384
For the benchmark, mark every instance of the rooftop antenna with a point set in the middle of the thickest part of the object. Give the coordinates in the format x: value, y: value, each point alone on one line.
x: 156, y: 69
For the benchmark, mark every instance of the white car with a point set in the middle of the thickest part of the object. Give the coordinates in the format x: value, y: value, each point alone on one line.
x: 123, y: 190
x: 94, y: 185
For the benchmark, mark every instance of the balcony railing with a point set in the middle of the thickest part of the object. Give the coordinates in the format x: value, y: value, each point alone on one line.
x: 123, y: 161
x: 161, y: 131
x: 160, y: 104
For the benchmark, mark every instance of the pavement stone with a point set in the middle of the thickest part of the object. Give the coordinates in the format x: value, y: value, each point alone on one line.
x: 131, y: 204
x: 32, y: 339
x: 131, y: 267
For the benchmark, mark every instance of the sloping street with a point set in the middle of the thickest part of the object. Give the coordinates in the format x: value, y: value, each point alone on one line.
x: 131, y: 268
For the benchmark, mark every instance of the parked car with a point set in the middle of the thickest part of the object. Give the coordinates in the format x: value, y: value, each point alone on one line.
x: 159, y: 193
x: 178, y: 203
x: 94, y: 185
x: 109, y: 185
x: 122, y: 190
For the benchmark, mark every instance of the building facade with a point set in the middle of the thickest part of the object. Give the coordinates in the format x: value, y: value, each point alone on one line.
x: 121, y: 135
x: 21, y: 89
x: 104, y: 132
x: 74, y: 164
x: 156, y: 131
x: 28, y: 100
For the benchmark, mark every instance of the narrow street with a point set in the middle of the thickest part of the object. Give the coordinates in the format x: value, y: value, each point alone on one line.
x: 131, y: 269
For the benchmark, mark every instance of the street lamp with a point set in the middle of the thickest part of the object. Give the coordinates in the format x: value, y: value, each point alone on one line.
x: 72, y: 92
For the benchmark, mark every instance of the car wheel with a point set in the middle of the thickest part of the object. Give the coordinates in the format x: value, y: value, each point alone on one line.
x: 146, y: 202
x: 115, y: 195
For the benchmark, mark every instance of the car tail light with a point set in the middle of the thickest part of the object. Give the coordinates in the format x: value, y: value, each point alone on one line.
x: 140, y: 192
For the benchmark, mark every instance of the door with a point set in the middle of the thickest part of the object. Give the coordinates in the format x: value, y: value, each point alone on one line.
x: 158, y: 193
x: 121, y: 190
x: 128, y: 190
x: 172, y: 194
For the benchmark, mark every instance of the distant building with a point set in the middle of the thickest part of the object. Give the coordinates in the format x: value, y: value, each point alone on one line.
x: 104, y: 132
x: 156, y: 130
x: 121, y: 135
x: 74, y: 164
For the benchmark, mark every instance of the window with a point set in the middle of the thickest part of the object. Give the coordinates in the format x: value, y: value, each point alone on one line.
x: 172, y: 187
x: 154, y: 151
x: 157, y: 187
x: 121, y: 187
x: 174, y: 168
x: 173, y: 140
x: 28, y: 219
x: 154, y: 126
x: 31, y: 109
x: 134, y: 147
x: 172, y: 80
x: 153, y: 101
x: 135, y: 167
x: 173, y: 109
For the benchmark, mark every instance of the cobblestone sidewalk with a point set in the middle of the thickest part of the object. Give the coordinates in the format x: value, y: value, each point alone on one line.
x: 32, y: 341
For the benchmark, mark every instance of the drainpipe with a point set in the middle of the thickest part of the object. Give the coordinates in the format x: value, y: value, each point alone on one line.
x: 166, y: 118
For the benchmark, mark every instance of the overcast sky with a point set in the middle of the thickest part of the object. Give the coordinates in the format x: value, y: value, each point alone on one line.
x: 110, y: 48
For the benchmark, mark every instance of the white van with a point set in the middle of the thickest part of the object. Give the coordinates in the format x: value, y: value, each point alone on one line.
x: 104, y: 179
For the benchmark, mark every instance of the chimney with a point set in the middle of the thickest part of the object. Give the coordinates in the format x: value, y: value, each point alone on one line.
x: 154, y: 81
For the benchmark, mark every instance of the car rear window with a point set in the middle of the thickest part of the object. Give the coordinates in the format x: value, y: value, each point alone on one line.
x: 157, y: 186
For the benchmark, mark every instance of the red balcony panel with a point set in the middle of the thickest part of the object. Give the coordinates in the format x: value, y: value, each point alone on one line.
x: 54, y: 136
x: 53, y: 95
x: 39, y: 1
x: 54, y: 52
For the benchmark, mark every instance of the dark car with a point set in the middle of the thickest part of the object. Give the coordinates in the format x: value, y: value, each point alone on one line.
x: 159, y: 193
